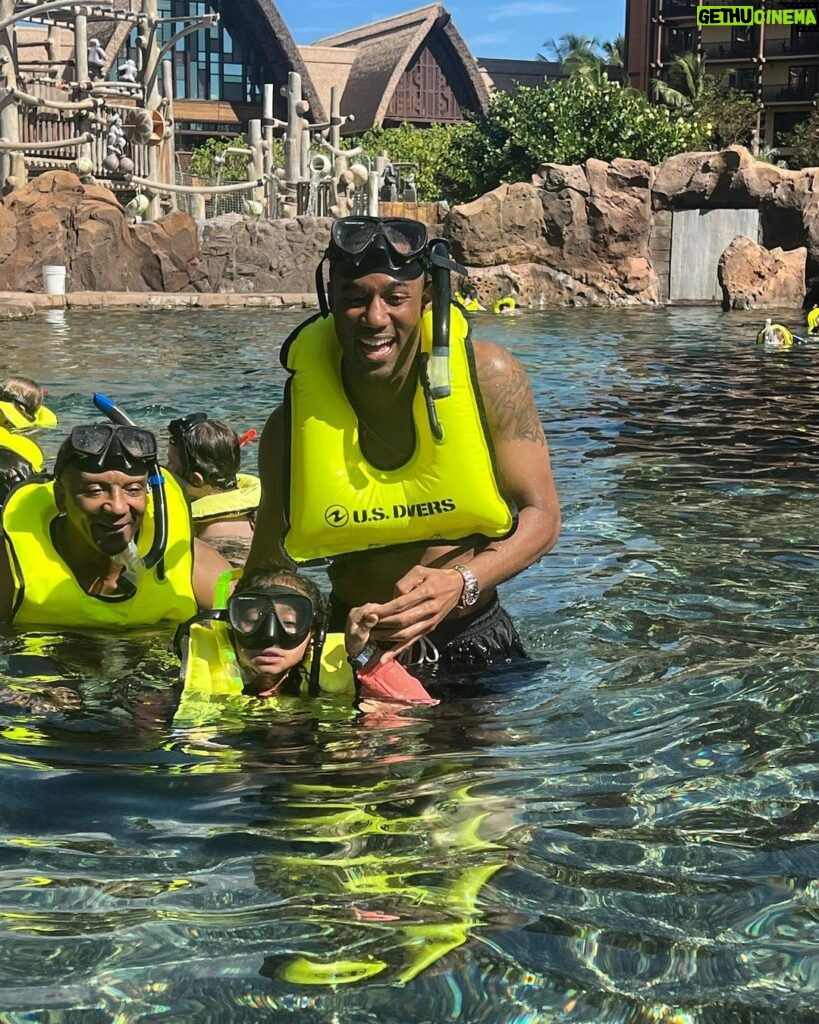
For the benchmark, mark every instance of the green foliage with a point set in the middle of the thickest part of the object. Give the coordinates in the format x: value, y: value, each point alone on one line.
x: 427, y: 148
x: 732, y: 115
x: 805, y: 142
x: 204, y: 161
x: 693, y: 90
x: 566, y: 122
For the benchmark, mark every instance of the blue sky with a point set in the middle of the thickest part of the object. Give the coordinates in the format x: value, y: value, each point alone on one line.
x: 491, y: 28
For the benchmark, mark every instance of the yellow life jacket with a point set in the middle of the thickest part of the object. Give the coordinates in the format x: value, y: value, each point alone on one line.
x: 11, y: 417
x: 23, y: 446
x: 813, y: 321
x: 470, y: 305
x: 776, y: 335
x: 507, y: 302
x: 211, y: 673
x: 47, y: 592
x: 338, y: 503
x: 236, y: 503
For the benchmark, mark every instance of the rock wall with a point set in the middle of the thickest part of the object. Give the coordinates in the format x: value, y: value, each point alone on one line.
x: 585, y: 235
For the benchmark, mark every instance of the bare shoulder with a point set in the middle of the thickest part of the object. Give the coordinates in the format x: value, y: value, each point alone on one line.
x: 507, y: 395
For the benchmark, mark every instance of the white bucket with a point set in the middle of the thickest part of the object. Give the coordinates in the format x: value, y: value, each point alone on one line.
x: 54, y: 280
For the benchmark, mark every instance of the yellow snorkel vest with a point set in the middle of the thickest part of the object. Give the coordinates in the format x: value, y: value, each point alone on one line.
x: 211, y: 673
x: 775, y: 336
x: 470, y: 305
x: 47, y: 592
x: 11, y: 417
x: 24, y: 446
x: 236, y: 503
x: 507, y: 302
x: 338, y: 503
x: 813, y: 321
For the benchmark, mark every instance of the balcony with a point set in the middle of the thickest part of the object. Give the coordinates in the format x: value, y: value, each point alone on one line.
x: 801, y: 93
x: 679, y: 9
x: 730, y: 51
x: 808, y: 44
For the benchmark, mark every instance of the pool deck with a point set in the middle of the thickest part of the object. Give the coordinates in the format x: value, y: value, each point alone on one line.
x: 18, y: 305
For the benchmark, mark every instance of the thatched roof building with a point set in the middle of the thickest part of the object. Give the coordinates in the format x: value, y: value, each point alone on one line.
x: 413, y: 67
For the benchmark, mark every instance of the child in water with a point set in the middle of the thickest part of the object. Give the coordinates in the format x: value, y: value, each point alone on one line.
x: 205, y: 455
x: 25, y: 396
x: 275, y: 620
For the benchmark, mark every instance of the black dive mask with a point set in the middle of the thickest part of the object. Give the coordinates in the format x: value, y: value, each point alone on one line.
x: 392, y: 245
x: 98, y: 447
x: 270, y: 617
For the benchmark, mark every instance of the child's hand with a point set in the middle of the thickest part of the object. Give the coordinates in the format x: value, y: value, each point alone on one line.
x: 360, y: 623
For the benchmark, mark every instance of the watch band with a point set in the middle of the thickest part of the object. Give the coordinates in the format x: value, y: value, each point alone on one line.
x: 365, y: 655
x: 471, y: 589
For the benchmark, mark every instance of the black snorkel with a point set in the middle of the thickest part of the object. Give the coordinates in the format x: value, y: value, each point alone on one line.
x: 156, y: 554
x: 319, y: 636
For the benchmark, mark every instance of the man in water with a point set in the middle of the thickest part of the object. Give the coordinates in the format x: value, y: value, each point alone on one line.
x: 411, y: 498
x: 74, y: 548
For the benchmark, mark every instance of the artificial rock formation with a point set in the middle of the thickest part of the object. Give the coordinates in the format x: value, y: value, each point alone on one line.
x: 576, y: 236
x: 592, y: 234
x: 56, y: 219
x: 753, y: 277
x: 599, y: 234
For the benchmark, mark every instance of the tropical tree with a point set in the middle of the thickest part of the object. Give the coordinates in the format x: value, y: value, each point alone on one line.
x: 688, y: 81
x: 573, y: 51
x: 615, y: 51
x: 566, y: 122
x: 694, y: 91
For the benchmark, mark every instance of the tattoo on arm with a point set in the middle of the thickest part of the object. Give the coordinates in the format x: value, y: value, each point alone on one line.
x: 510, y: 402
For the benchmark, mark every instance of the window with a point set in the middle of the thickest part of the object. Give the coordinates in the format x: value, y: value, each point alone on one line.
x: 743, y: 79
x: 209, y: 64
x: 784, y: 123
x: 802, y: 78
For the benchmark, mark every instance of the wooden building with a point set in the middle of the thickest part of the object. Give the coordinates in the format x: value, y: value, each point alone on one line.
x: 414, y: 68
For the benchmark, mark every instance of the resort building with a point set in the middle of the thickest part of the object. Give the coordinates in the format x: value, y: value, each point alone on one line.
x: 412, y: 68
x: 775, y: 62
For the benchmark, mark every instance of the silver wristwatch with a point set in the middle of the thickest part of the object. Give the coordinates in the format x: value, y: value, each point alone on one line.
x: 471, y: 590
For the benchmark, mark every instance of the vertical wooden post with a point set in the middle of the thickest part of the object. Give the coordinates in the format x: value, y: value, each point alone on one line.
x: 169, y: 144
x: 81, y: 75
x: 256, y: 166
x: 150, y: 45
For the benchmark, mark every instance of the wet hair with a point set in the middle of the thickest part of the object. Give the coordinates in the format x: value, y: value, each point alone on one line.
x: 212, y: 449
x: 273, y: 575
x: 24, y: 392
x: 14, y: 469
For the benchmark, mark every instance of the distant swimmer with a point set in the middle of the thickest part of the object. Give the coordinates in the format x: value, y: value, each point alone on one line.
x: 21, y: 405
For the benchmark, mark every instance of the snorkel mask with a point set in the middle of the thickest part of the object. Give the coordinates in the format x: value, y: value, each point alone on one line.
x: 275, y: 616
x: 399, y: 247
x: 98, y: 447
x: 125, y: 439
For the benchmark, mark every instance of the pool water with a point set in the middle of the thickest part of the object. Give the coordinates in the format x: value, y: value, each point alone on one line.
x: 622, y: 830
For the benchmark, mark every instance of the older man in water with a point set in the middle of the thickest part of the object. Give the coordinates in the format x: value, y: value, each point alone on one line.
x: 422, y: 504
x: 74, y: 548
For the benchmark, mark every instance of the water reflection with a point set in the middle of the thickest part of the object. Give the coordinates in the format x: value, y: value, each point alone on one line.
x: 622, y: 831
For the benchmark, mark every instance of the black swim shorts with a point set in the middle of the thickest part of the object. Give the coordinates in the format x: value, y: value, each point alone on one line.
x: 485, y: 637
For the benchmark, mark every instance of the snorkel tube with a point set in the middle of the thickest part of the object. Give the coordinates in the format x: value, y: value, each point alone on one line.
x: 156, y: 554
x: 434, y: 367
